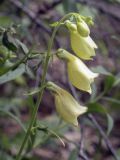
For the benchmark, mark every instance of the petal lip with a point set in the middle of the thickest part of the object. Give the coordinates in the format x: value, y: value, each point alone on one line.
x: 92, y: 43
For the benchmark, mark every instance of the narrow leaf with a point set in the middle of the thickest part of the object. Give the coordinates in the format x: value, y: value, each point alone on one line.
x: 96, y: 107
x: 110, y: 124
x: 101, y: 70
x: 11, y: 75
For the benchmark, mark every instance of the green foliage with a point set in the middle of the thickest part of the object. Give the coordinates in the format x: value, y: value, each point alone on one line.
x: 73, y: 155
x: 98, y: 108
x: 11, y: 75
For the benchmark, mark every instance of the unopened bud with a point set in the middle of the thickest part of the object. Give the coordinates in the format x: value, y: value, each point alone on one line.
x: 71, y: 26
x: 83, y: 29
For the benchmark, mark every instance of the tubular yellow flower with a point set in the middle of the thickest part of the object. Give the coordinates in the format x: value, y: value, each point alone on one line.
x: 79, y: 74
x: 83, y: 47
x: 67, y: 107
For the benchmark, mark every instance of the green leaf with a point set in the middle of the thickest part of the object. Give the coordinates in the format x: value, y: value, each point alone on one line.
x: 109, y: 82
x: 57, y: 136
x: 101, y: 70
x: 22, y: 46
x: 94, y: 92
x: 11, y: 75
x: 3, y: 70
x: 73, y: 154
x: 9, y: 41
x: 110, y: 124
x: 5, y: 67
x: 98, y: 108
x: 35, y: 90
x: 3, y: 51
x: 29, y: 72
x: 117, y: 80
x: 110, y: 99
x: 52, y: 132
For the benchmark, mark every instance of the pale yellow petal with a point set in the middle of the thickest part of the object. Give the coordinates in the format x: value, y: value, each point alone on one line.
x: 79, y: 75
x: 91, y: 42
x: 68, y: 107
x: 82, y: 46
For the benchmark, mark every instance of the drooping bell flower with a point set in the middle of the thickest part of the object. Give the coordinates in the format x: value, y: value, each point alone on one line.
x: 79, y: 74
x: 67, y: 107
x: 83, y: 47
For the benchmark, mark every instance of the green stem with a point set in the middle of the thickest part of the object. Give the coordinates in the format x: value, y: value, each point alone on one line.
x: 39, y: 98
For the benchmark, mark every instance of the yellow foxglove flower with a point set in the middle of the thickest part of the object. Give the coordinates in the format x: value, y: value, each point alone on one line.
x: 83, y: 47
x: 67, y: 107
x: 79, y: 74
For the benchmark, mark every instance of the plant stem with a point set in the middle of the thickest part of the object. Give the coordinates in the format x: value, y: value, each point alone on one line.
x: 35, y: 109
x: 39, y: 98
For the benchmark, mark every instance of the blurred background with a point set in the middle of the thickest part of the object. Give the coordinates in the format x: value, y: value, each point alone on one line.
x: 33, y: 19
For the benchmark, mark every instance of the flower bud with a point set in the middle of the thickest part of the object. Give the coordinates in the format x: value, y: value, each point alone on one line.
x: 71, y: 26
x: 88, y: 20
x: 82, y: 28
x: 67, y: 107
x: 79, y: 74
